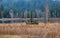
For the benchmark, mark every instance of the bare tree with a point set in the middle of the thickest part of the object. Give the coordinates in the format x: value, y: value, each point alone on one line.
x: 25, y: 15
x: 11, y: 14
x: 46, y: 12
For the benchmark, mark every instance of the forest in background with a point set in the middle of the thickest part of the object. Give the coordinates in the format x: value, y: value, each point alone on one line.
x: 23, y: 9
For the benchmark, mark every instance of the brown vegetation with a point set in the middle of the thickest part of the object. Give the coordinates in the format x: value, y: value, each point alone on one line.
x: 48, y: 30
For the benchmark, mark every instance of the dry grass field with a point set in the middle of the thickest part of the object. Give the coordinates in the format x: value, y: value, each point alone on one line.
x: 19, y: 30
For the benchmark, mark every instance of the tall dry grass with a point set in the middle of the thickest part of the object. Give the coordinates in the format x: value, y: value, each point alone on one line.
x: 42, y: 30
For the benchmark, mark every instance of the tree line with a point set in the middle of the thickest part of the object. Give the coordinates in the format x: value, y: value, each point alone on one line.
x: 53, y: 13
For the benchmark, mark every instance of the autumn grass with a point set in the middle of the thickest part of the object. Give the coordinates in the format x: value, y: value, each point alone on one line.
x: 23, y: 30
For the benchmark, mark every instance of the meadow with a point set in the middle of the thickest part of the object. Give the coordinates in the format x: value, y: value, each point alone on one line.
x: 23, y: 30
